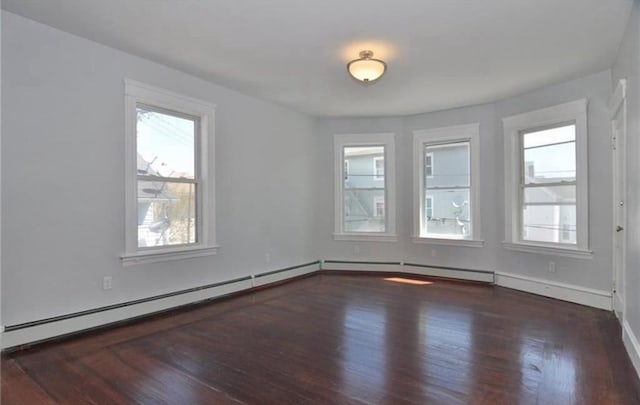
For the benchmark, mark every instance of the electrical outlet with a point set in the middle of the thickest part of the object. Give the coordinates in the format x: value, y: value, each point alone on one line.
x: 552, y: 267
x: 107, y: 283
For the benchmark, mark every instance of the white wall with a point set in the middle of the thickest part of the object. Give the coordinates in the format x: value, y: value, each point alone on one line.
x: 63, y: 178
x: 627, y: 66
x: 592, y: 273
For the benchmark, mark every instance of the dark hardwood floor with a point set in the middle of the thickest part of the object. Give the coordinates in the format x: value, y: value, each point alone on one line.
x: 341, y: 340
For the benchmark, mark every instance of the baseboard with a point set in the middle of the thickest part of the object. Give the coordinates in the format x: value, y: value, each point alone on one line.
x: 355, y: 265
x: 42, y: 330
x: 410, y: 268
x: 632, y: 345
x: 565, y: 292
x: 618, y: 304
x: 51, y: 328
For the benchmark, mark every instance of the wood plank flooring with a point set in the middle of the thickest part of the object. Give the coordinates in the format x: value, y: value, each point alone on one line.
x: 341, y: 339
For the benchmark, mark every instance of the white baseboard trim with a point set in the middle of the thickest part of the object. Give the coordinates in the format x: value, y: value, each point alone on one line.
x: 411, y: 268
x: 75, y: 324
x: 285, y: 274
x: 459, y: 274
x: 562, y: 291
x: 581, y: 295
x: 361, y: 266
x: 632, y: 345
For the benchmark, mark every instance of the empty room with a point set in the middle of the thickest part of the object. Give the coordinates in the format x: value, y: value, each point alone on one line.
x: 320, y: 202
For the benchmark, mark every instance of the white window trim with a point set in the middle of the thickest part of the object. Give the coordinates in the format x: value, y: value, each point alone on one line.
x: 375, y: 168
x: 360, y: 140
x: 575, y: 112
x: 140, y: 93
x: 458, y: 133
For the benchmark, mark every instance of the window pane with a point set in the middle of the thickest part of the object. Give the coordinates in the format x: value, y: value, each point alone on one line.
x: 364, y: 189
x: 364, y: 210
x: 553, y: 194
x: 166, y: 213
x: 450, y: 214
x: 549, y: 223
x: 449, y: 165
x: 165, y: 144
x: 550, y: 155
x: 447, y: 199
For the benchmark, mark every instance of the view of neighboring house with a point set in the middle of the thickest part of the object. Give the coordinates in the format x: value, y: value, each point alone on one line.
x: 364, y: 189
x: 552, y: 215
x: 447, y: 185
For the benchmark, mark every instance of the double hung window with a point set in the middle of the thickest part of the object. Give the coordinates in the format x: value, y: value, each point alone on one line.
x: 446, y: 184
x: 169, y: 175
x: 546, y: 180
x: 364, y: 187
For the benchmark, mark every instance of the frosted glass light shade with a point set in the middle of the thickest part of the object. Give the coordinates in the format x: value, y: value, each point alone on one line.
x: 366, y: 69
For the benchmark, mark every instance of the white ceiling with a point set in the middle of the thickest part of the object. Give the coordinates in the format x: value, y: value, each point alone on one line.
x: 440, y: 53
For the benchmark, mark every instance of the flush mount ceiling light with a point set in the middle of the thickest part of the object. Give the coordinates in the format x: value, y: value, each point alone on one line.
x: 366, y: 69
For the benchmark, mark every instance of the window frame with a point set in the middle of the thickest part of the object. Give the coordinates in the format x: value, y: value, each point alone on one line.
x: 155, y: 98
x: 387, y: 140
x: 446, y: 135
x: 514, y: 126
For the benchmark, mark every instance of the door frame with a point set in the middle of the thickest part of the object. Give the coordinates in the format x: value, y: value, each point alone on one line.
x: 618, y: 106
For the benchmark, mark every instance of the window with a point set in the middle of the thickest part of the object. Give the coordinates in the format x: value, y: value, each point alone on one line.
x: 378, y: 202
x: 548, y: 185
x: 428, y: 165
x: 378, y: 168
x: 546, y: 179
x: 452, y: 187
x: 428, y: 207
x: 169, y: 187
x: 364, y: 207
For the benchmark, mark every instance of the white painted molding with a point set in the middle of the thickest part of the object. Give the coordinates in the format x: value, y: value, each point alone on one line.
x: 84, y: 322
x: 618, y: 96
x: 161, y: 256
x: 566, y: 292
x: 553, y: 289
x: 436, y: 271
x: 348, y: 265
x: 401, y: 267
x: 632, y: 345
x: 449, y: 242
x: 366, y: 237
x: 548, y: 250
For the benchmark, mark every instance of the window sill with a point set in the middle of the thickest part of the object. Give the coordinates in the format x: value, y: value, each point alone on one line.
x: 474, y: 243
x: 167, y: 255
x: 548, y: 250
x: 366, y: 237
